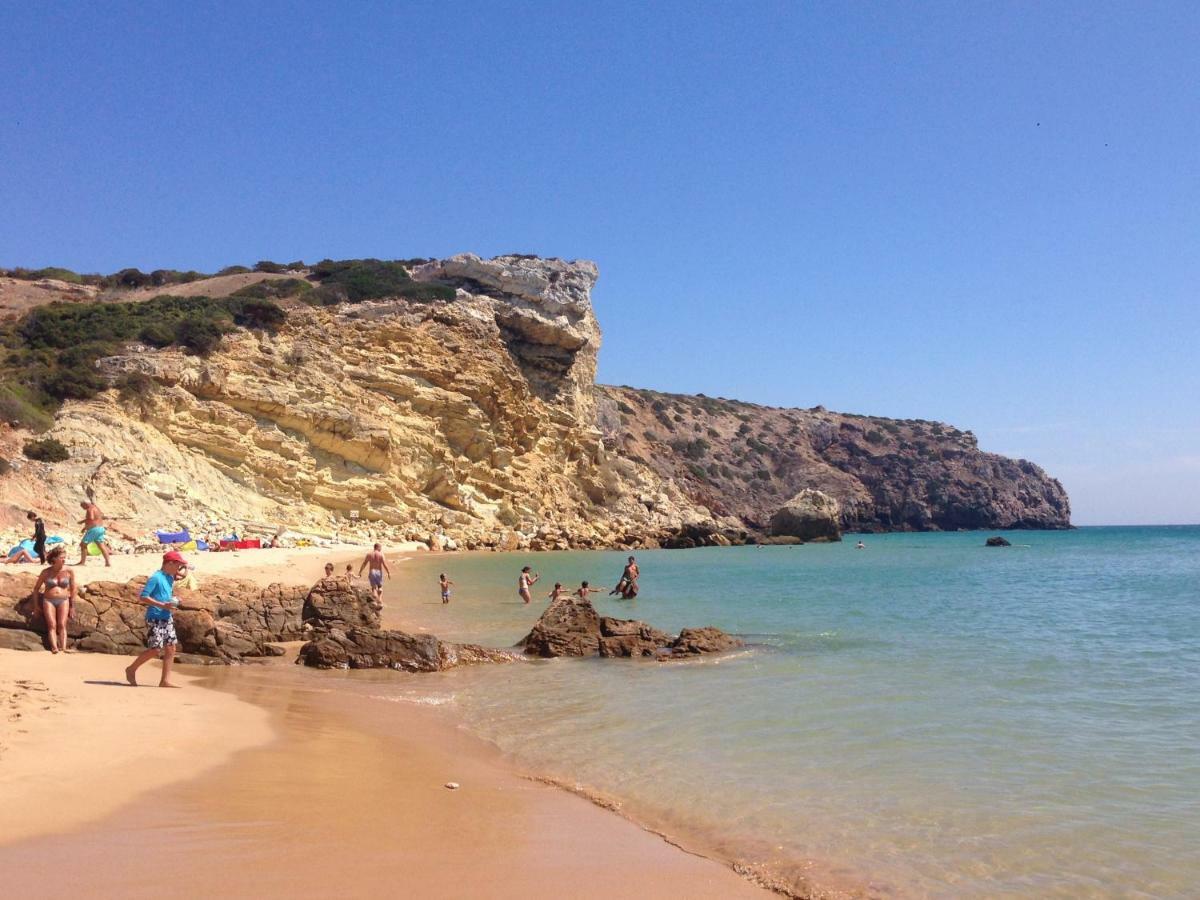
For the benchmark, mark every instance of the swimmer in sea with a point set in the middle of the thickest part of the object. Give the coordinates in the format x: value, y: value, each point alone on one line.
x: 558, y: 593
x: 860, y: 546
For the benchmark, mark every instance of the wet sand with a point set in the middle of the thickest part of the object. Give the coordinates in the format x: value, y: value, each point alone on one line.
x: 349, y: 800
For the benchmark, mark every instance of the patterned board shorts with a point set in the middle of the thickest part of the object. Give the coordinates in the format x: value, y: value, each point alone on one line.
x: 160, y: 634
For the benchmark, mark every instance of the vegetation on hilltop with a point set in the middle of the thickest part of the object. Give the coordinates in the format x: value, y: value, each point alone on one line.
x: 50, y: 354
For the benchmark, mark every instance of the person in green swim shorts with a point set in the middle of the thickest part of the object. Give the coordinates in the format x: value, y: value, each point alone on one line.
x: 93, y: 532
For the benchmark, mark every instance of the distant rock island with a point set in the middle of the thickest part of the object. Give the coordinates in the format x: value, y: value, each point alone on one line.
x: 449, y: 401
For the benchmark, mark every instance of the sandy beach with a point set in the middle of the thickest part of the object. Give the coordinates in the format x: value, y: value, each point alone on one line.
x: 266, y: 779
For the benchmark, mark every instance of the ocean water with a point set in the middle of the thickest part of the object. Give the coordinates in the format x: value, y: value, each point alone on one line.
x: 925, y: 717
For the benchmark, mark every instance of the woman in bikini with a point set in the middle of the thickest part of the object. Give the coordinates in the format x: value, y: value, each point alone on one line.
x: 55, y: 590
x: 527, y: 580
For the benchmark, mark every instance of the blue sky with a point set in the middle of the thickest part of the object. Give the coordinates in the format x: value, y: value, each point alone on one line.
x: 986, y: 214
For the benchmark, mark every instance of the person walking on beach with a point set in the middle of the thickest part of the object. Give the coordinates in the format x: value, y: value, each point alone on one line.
x: 627, y: 587
x: 583, y: 591
x: 39, y: 535
x: 445, y: 585
x: 525, y: 582
x: 94, y: 532
x: 158, y: 598
x: 378, y: 565
x: 55, y: 593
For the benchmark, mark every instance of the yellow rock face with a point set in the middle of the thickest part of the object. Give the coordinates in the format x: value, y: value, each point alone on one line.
x: 474, y: 417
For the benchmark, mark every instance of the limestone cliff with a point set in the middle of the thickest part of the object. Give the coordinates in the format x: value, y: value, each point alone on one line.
x: 479, y: 417
x: 474, y: 417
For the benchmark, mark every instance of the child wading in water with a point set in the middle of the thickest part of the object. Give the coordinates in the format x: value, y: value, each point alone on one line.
x: 445, y: 584
x: 558, y: 593
x: 158, y: 597
x: 584, y: 590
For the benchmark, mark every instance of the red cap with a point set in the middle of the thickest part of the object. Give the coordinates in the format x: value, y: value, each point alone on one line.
x: 174, y: 556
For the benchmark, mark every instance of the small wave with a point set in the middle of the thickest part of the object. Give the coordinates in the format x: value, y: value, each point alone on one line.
x: 419, y: 701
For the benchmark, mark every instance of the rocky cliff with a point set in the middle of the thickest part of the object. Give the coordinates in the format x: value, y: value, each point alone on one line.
x: 478, y: 417
x: 744, y: 460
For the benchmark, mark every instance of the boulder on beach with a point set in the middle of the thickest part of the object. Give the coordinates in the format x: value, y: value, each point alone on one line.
x: 363, y: 648
x: 997, y: 541
x: 810, y: 516
x: 567, y: 628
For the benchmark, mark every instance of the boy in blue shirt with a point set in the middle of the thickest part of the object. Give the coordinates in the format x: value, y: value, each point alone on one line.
x: 160, y: 627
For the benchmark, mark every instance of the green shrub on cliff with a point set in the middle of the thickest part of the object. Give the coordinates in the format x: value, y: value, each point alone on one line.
x: 54, y: 349
x: 371, y: 279
x: 274, y: 288
x: 46, y: 450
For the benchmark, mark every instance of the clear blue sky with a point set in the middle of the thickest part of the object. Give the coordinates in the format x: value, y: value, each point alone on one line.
x: 987, y: 214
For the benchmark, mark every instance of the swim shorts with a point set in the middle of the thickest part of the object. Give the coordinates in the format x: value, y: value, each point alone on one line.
x: 95, y: 535
x: 375, y: 576
x: 160, y: 634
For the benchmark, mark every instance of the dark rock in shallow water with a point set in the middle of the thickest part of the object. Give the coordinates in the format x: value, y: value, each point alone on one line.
x: 694, y: 641
x: 629, y: 637
x: 567, y: 628
x: 997, y: 542
x: 572, y: 628
x: 361, y: 648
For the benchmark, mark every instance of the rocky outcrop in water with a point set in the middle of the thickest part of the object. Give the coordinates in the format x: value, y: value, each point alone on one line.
x: 572, y: 628
x: 362, y: 648
x: 997, y: 541
x: 809, y: 516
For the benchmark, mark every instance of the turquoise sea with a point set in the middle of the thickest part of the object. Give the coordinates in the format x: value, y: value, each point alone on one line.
x: 925, y: 717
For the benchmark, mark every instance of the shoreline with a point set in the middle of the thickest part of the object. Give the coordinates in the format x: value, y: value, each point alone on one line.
x: 364, y: 794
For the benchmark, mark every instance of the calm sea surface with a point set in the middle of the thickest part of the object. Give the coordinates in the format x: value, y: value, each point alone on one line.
x: 934, y: 716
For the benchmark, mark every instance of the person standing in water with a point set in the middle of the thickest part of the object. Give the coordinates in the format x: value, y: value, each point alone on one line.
x: 94, y: 532
x: 558, y: 593
x: 445, y: 583
x: 378, y: 566
x: 627, y: 587
x: 526, y: 581
x: 55, y: 591
x: 158, y: 598
x: 584, y: 591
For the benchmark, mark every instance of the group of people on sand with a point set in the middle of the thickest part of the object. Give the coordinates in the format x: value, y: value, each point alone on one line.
x: 94, y: 532
x: 627, y: 586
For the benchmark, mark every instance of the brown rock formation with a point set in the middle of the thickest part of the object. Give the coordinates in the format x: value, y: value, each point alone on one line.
x: 228, y: 621
x: 744, y: 460
x: 809, y: 516
x: 363, y: 648
x: 572, y: 628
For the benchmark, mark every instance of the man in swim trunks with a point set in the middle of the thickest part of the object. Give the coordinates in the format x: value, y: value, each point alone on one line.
x: 93, y: 532
x: 159, y: 601
x: 378, y: 565
x: 627, y: 587
x: 445, y: 585
x: 526, y: 580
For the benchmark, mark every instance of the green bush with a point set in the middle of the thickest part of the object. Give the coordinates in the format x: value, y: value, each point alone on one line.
x: 875, y: 437
x: 249, y: 312
x: 234, y: 270
x: 373, y: 279
x: 47, y: 450
x: 200, y: 336
x: 265, y: 265
x: 134, y: 385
